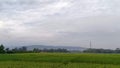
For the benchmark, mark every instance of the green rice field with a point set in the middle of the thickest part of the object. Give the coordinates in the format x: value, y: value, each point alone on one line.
x: 59, y: 60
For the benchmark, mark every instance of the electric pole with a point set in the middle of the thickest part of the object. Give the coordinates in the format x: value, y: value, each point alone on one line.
x: 90, y: 44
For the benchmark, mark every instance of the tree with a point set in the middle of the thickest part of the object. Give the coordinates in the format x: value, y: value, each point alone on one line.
x: 23, y: 49
x: 36, y: 50
x: 2, y: 48
x: 7, y: 49
x: 117, y: 50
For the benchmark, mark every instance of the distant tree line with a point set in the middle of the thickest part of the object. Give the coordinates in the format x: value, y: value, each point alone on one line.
x: 117, y: 50
x: 24, y: 50
x: 50, y: 50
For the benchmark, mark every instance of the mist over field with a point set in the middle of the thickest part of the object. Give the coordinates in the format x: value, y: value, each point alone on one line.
x: 60, y: 22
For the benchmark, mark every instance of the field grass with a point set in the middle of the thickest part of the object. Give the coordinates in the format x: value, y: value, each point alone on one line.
x: 59, y: 60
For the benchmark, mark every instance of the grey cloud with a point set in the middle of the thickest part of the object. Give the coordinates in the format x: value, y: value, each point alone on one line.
x: 60, y: 22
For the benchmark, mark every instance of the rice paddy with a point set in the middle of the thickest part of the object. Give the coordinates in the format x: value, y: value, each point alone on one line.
x: 59, y: 60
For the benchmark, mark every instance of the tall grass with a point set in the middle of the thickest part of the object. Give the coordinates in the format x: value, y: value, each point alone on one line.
x: 61, y: 57
x: 59, y: 60
x: 24, y: 64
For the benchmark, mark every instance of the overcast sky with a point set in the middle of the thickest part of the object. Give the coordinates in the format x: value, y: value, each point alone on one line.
x: 60, y: 22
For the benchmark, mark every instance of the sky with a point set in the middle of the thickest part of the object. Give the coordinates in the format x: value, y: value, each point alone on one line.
x: 60, y: 22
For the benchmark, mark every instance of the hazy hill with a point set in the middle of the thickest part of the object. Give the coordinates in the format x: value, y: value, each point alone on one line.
x: 70, y: 48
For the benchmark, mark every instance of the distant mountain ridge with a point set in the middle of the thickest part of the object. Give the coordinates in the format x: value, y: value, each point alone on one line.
x: 70, y: 48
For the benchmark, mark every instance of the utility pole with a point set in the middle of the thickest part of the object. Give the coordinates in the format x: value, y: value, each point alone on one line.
x: 90, y: 44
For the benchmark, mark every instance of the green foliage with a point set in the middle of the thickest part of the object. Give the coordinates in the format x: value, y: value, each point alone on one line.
x: 22, y: 64
x: 2, y: 49
x: 102, y: 51
x: 59, y: 60
x: 63, y: 58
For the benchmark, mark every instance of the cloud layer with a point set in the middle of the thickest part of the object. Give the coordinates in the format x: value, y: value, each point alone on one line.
x: 60, y: 22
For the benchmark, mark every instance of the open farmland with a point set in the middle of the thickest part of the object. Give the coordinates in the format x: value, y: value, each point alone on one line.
x: 59, y: 60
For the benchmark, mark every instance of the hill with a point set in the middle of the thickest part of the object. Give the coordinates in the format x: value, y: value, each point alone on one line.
x: 69, y: 48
